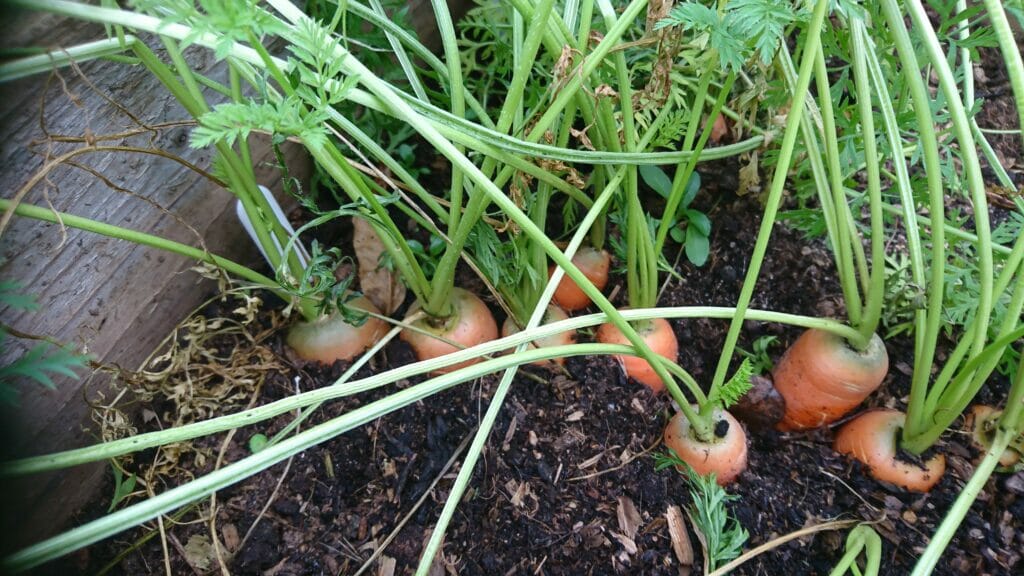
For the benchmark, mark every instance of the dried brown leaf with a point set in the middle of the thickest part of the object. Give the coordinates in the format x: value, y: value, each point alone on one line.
x: 627, y: 543
x: 379, y: 284
x: 199, y: 552
x: 750, y: 179
x: 229, y: 532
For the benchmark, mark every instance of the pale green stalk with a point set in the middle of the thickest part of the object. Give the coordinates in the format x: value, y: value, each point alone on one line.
x: 862, y: 538
x: 453, y: 61
x: 972, y: 168
x: 846, y: 235
x: 911, y: 225
x: 812, y: 43
x: 31, y: 65
x: 165, y: 502
x: 928, y: 141
x: 400, y: 53
x: 1010, y: 52
x: 141, y: 238
x: 875, y: 295
x: 939, y: 541
x: 139, y: 442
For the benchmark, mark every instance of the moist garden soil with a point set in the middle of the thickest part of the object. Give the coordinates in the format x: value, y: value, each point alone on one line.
x: 567, y: 483
x: 570, y: 454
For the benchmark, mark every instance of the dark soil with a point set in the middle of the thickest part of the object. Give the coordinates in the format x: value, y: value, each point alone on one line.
x: 569, y: 451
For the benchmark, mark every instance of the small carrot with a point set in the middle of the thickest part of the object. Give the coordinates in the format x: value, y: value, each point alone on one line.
x: 980, y: 422
x: 594, y: 264
x: 330, y: 338
x: 719, y: 130
x: 658, y: 335
x: 726, y: 456
x: 822, y: 378
x: 871, y: 438
x: 471, y: 323
x: 552, y: 314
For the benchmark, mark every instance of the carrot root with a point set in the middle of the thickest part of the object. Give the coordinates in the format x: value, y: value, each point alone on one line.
x: 552, y: 314
x: 822, y: 378
x: 330, y: 338
x: 726, y: 457
x: 659, y: 337
x: 471, y: 323
x: 871, y: 438
x: 980, y: 421
x: 594, y: 264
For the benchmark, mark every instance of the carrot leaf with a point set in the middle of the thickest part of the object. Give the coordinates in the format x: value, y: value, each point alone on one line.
x: 724, y: 536
x: 730, y: 392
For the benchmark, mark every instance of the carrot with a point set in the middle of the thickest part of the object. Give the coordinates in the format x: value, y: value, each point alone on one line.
x: 822, y: 378
x: 471, y: 323
x: 719, y: 130
x: 552, y: 314
x: 659, y: 337
x: 330, y: 338
x: 594, y: 264
x: 726, y: 456
x: 981, y: 423
x: 871, y: 438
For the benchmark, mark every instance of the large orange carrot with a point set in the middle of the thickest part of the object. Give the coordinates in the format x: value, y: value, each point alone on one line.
x: 822, y: 378
x: 471, y: 323
x: 659, y: 337
x: 726, y: 455
x: 872, y: 437
x: 552, y: 314
x: 330, y: 338
x: 594, y: 265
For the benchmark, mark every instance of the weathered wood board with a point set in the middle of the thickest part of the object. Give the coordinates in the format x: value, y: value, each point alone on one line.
x: 113, y: 298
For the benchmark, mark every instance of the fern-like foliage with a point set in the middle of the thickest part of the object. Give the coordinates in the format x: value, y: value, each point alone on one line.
x: 228, y: 21
x: 236, y: 120
x: 41, y: 362
x: 731, y: 392
x: 723, y: 535
x: 744, y: 29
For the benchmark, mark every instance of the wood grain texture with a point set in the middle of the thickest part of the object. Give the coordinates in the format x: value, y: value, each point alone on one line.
x: 113, y: 298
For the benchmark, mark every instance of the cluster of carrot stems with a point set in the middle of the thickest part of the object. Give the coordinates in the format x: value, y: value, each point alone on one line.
x: 934, y: 404
x: 474, y: 188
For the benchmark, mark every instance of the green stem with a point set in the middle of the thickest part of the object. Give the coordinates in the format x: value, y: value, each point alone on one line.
x: 949, y: 396
x: 111, y: 231
x: 139, y: 442
x: 862, y: 538
x: 846, y: 236
x: 911, y: 220
x: 444, y: 276
x: 812, y: 44
x: 231, y: 474
x: 939, y: 541
x: 446, y: 31
x: 949, y: 229
x: 928, y: 141
x: 874, y: 299
x: 1011, y: 55
x: 40, y: 63
x: 972, y: 168
x: 682, y: 176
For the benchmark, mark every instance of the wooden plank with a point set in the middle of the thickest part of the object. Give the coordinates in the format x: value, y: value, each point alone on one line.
x: 116, y: 299
x: 111, y: 297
